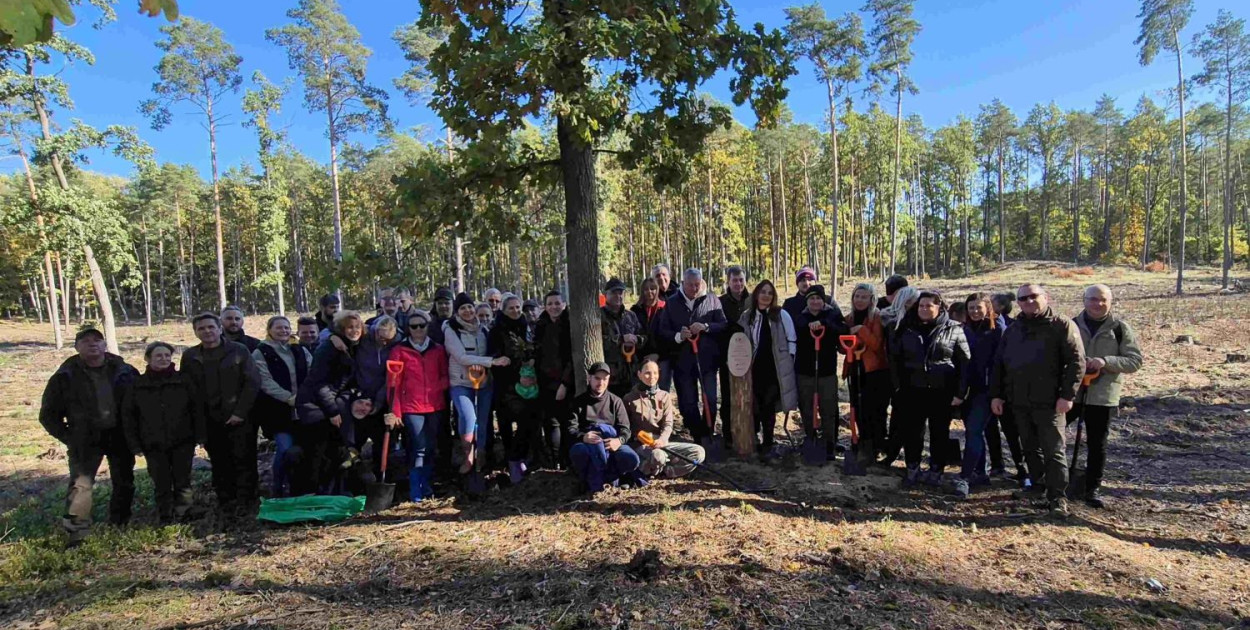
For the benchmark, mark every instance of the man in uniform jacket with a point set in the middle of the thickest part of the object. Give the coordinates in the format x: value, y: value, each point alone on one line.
x: 620, y: 327
x: 1110, y: 350
x: 1037, y: 372
x: 82, y: 409
x: 226, y: 383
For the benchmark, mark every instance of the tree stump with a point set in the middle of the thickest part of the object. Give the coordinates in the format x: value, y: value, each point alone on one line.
x: 741, y: 409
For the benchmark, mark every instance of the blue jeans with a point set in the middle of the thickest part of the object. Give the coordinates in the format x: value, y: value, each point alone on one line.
x: 282, y: 442
x: 420, y: 444
x: 473, y: 413
x: 976, y: 418
x: 597, y: 467
x: 689, y: 400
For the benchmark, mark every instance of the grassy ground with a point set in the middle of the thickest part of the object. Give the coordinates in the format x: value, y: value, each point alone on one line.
x: 824, y: 550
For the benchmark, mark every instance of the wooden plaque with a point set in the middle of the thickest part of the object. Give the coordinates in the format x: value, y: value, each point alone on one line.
x: 739, y: 354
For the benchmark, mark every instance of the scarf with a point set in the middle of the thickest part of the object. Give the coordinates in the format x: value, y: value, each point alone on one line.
x: 419, y: 347
x: 155, y: 373
x: 469, y: 327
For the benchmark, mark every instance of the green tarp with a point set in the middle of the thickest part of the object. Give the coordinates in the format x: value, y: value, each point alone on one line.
x: 323, y: 509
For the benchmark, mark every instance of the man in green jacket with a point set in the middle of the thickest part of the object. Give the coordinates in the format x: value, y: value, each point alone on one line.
x: 82, y: 409
x: 1037, y: 372
x: 1110, y: 350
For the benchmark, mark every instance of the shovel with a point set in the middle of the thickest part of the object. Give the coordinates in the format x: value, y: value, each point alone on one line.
x: 647, y: 440
x: 714, y: 448
x: 474, y: 482
x: 814, y: 451
x: 850, y: 461
x: 379, y: 495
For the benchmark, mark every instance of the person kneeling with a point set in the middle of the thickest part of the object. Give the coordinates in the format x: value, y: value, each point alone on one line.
x: 600, y: 454
x: 650, y: 409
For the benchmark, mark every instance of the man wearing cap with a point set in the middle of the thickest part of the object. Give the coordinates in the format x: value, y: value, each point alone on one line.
x: 621, y: 332
x: 600, y: 453
x: 327, y: 306
x: 225, y: 382
x: 442, y: 311
x: 389, y: 303
x: 232, y: 328
x: 804, y: 279
x: 532, y: 310
x: 81, y: 408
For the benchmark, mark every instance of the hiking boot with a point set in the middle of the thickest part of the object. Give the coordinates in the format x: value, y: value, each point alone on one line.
x: 1093, y: 498
x: 466, y: 455
x: 912, y: 478
x: 960, y: 488
x: 1058, y: 508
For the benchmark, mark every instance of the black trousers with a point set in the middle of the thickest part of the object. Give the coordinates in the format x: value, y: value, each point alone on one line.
x: 1097, y: 427
x: 872, y: 407
x: 170, y: 470
x: 518, y: 420
x: 315, y: 458
x: 554, y: 425
x: 931, y: 407
x: 994, y: 441
x: 232, y: 450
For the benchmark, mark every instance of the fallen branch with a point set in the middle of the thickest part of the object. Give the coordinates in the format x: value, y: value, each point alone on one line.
x: 404, y: 524
x: 187, y: 625
x: 367, y: 547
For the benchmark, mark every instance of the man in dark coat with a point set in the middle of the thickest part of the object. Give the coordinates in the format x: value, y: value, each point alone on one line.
x: 232, y: 328
x: 442, y: 311
x: 600, y: 433
x: 327, y: 306
x: 663, y: 277
x: 892, y: 285
x: 225, y: 381
x: 621, y: 331
x: 554, y: 363
x: 1037, y: 372
x: 82, y: 409
x: 686, y: 318
x: 732, y: 302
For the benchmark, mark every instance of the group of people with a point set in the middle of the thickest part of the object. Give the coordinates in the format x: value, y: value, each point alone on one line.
x: 451, y: 381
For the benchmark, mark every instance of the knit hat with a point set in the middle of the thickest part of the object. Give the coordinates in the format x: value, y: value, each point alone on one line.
x: 816, y: 291
x: 461, y: 300
x: 443, y: 293
x: 805, y: 273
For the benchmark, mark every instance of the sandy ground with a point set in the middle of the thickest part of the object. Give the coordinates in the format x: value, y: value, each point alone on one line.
x: 823, y: 550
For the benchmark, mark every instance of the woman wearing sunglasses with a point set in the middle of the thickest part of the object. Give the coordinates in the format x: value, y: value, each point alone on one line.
x: 420, y: 401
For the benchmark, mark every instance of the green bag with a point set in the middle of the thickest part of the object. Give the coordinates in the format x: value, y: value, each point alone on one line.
x: 323, y: 509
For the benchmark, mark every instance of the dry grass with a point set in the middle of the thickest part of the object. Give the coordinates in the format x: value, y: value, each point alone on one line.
x: 824, y: 551
x: 1156, y: 267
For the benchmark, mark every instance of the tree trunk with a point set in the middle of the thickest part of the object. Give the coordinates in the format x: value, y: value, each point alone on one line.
x: 50, y: 279
x: 334, y: 181
x: 837, y: 194
x: 1076, y: 208
x: 1227, y: 259
x: 1180, y: 89
x: 106, y: 306
x: 60, y: 272
x: 221, y: 251
x: 742, y: 415
x: 1002, y: 212
x: 147, y: 274
x: 581, y: 224
x: 898, y: 159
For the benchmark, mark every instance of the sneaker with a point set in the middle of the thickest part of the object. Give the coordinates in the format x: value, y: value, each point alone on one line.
x: 1058, y: 508
x: 912, y: 478
x: 960, y: 488
x: 1093, y: 498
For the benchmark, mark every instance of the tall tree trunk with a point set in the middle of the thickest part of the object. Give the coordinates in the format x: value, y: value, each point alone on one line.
x: 97, y: 279
x: 1227, y: 259
x: 837, y: 193
x: 1180, y: 89
x: 297, y: 261
x: 1076, y: 208
x: 49, y: 278
x: 147, y: 273
x: 60, y: 272
x: 334, y: 181
x: 221, y: 251
x: 577, y: 164
x: 1002, y: 211
x: 898, y: 159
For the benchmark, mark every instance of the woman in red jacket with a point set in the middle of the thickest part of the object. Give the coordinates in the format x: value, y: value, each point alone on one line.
x: 420, y: 401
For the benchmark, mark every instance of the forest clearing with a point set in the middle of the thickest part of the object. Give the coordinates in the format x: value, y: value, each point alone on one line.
x: 1172, y: 550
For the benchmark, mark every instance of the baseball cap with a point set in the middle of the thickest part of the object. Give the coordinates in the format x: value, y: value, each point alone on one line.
x: 597, y: 367
x: 86, y: 332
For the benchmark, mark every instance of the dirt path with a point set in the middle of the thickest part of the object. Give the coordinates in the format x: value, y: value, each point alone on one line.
x: 823, y: 551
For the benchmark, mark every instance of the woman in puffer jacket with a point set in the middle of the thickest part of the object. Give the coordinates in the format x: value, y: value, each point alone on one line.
x: 469, y: 366
x: 420, y: 401
x: 772, y: 370
x: 927, y: 360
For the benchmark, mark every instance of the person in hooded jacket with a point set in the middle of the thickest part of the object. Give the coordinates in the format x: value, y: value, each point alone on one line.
x: 516, y: 408
x: 868, y: 374
x: 621, y: 330
x: 821, y: 316
x: 162, y: 425
x: 282, y: 367
x: 983, y: 330
x: 928, y: 358
x: 472, y: 389
x: 321, y: 447
x: 685, y: 319
x: 420, y: 401
x: 773, y: 341
x: 1111, y: 351
x: 647, y: 309
x: 81, y: 408
x: 554, y: 364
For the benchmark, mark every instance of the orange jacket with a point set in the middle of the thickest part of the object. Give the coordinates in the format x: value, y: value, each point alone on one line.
x: 872, y: 338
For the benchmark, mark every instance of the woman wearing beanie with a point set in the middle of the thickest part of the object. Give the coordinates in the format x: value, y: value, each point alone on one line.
x: 469, y: 366
x: 516, y: 384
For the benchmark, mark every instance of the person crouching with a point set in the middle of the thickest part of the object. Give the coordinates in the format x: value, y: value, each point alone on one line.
x: 650, y: 409
x: 600, y: 455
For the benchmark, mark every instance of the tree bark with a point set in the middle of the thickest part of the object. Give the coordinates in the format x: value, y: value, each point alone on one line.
x: 1180, y: 89
x: 577, y: 165
x: 898, y: 159
x: 221, y: 252
x: 49, y: 278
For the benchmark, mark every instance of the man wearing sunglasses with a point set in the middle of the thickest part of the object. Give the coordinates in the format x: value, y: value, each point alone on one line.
x: 1036, y: 374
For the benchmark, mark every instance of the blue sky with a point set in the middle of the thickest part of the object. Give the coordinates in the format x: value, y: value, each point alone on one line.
x: 970, y: 51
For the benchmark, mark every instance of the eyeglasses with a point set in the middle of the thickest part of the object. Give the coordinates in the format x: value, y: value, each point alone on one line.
x: 417, y: 326
x: 1032, y: 297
